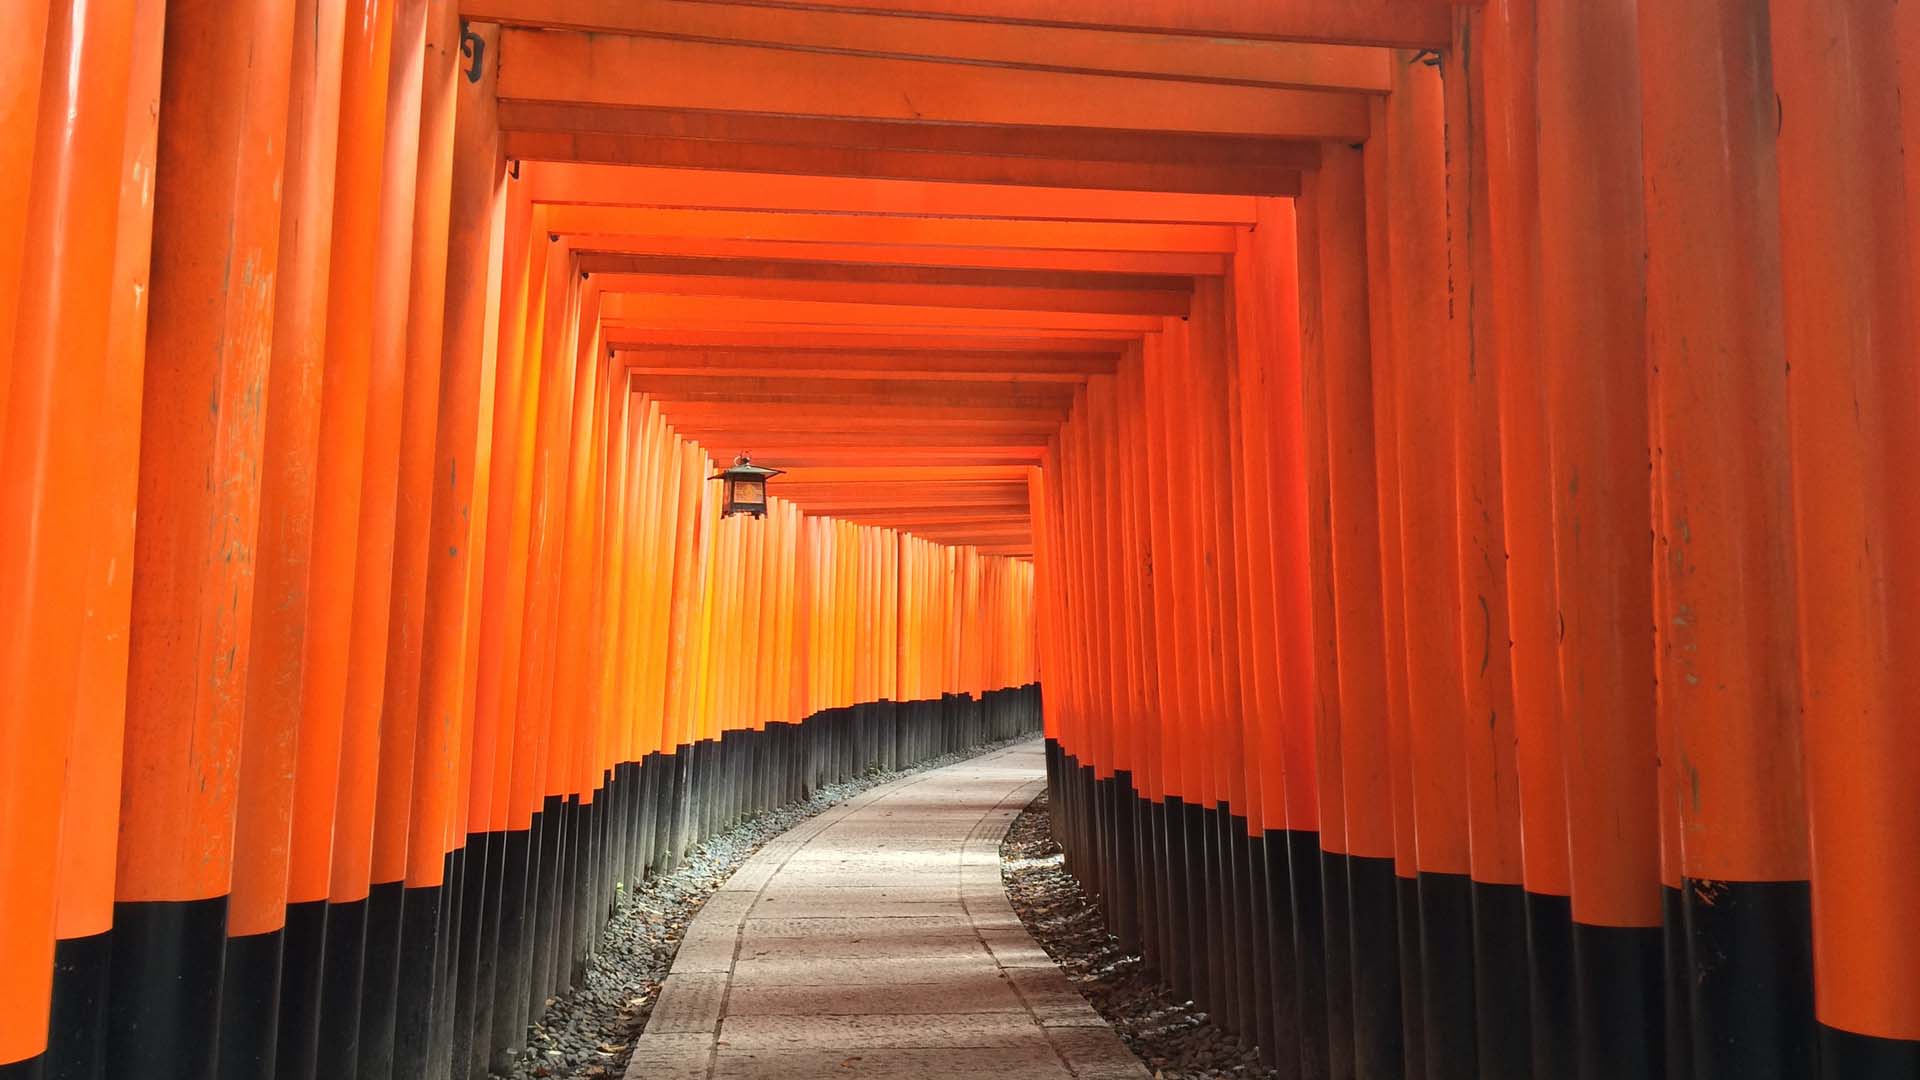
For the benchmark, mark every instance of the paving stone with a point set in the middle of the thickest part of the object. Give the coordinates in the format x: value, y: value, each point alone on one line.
x: 996, y: 920
x: 857, y: 926
x: 708, y: 953
x: 854, y: 899
x: 1013, y: 948
x: 671, y: 1057
x: 833, y: 908
x: 689, y: 1003
x: 864, y: 946
x: 976, y: 1063
x: 981, y: 993
x: 883, y: 1031
x: 732, y: 906
x: 781, y: 971
x: 1097, y: 1054
x: 1052, y: 999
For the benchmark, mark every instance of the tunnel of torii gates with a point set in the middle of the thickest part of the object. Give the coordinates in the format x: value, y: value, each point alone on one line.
x: 1451, y: 467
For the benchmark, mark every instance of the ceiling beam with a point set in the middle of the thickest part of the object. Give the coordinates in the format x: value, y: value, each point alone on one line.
x: 899, y: 295
x: 654, y: 150
x: 814, y: 270
x: 845, y: 456
x: 636, y: 307
x: 923, y: 475
x: 881, y: 339
x: 842, y: 132
x: 669, y: 389
x: 617, y: 333
x: 769, y: 441
x: 1399, y: 23
x: 708, y: 412
x: 908, y: 255
x: 633, y: 185
x: 622, y: 71
x: 896, y: 364
x: 1067, y: 49
x: 853, y: 228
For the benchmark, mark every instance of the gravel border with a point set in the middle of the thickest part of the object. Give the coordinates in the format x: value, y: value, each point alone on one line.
x: 589, y: 1032
x: 1171, y: 1036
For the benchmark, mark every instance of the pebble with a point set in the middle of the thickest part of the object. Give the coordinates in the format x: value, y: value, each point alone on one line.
x: 1172, y: 1037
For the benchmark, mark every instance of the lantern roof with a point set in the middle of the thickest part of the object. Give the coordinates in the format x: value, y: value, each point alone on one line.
x: 743, y: 466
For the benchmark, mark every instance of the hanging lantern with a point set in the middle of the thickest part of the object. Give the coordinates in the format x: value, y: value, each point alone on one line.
x: 746, y: 487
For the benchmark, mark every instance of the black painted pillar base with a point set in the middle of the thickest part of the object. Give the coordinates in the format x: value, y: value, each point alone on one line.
x: 1619, y: 991
x: 1750, y: 947
x: 164, y: 1010
x: 77, y: 1031
x: 250, y: 1007
x: 1413, y: 1014
x: 1379, y: 1038
x: 1446, y: 976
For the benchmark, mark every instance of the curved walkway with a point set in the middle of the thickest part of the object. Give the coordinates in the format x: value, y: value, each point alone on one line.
x: 876, y: 940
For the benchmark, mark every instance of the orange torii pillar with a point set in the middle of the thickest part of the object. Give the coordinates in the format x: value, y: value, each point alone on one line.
x: 502, y: 588
x: 354, y: 502
x: 1507, y: 66
x: 317, y: 1040
x: 1267, y: 290
x: 1384, y: 325
x: 369, y: 857
x: 420, y: 1035
x: 458, y: 544
x: 1362, y: 757
x: 1330, y: 992
x: 272, y: 944
x: 1435, y: 744
x: 1593, y: 346
x: 1846, y: 76
x: 1724, y: 591
x: 70, y: 313
x: 1276, y: 1021
x: 1491, y: 759
x: 91, y: 808
x: 216, y: 230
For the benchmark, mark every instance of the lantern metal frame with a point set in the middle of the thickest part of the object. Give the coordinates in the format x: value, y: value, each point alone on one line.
x: 743, y: 476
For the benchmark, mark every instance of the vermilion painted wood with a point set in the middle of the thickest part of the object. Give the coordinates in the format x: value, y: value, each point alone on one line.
x: 90, y: 811
x: 665, y: 188
x: 892, y: 294
x: 901, y: 254
x: 1493, y: 789
x: 1375, y: 21
x: 381, y: 816
x: 857, y: 228
x: 58, y: 334
x: 1605, y: 658
x: 20, y: 83
x: 1847, y: 293
x: 1512, y: 182
x: 593, y: 147
x: 1200, y: 59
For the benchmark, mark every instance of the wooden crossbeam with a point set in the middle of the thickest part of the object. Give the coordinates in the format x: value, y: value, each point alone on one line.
x: 1044, y: 48
x: 624, y: 71
x: 1401, y: 23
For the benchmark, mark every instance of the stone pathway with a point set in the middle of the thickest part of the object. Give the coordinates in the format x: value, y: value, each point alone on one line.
x: 876, y: 941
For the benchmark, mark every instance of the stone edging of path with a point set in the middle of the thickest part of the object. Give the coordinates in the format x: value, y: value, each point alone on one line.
x: 683, y: 1034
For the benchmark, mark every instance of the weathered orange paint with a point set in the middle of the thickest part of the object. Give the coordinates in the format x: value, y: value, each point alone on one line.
x: 270, y: 751
x: 58, y: 360
x: 325, y: 740
x: 203, y: 417
x: 1593, y: 336
x: 1847, y: 290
